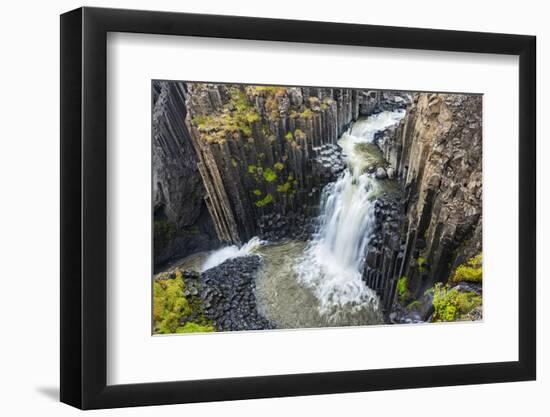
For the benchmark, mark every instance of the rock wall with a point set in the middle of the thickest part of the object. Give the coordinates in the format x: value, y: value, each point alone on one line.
x: 182, y: 224
x: 436, y: 153
x: 264, y: 153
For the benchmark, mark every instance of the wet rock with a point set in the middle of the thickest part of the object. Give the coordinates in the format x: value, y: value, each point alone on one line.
x: 228, y: 294
x: 270, y: 165
x: 182, y: 221
x: 380, y: 173
x: 435, y: 153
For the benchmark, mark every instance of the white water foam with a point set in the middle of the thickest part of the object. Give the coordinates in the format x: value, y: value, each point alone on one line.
x: 333, y: 262
x: 221, y: 255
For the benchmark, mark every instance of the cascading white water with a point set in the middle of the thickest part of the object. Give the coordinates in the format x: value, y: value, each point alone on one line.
x: 333, y: 262
x: 221, y: 255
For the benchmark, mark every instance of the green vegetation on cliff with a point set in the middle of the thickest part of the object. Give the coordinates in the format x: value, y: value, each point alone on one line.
x: 237, y: 116
x: 450, y: 304
x: 402, y: 287
x: 269, y: 175
x: 173, y: 312
x: 264, y: 201
x: 470, y: 271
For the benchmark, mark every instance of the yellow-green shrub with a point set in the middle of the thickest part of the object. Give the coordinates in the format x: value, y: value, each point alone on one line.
x: 402, y: 287
x: 269, y: 175
x: 451, y: 304
x: 171, y: 307
x: 471, y: 270
x: 264, y: 201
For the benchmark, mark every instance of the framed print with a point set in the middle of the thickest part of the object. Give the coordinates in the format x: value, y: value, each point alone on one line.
x: 257, y: 208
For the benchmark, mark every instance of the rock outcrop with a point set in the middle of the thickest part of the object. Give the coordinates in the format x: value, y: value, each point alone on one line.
x: 227, y: 291
x: 182, y: 223
x: 264, y: 151
x: 436, y: 155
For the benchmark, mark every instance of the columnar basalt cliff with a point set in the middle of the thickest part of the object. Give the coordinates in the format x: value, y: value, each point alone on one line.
x: 264, y: 153
x: 436, y: 154
x: 277, y: 207
x: 182, y: 224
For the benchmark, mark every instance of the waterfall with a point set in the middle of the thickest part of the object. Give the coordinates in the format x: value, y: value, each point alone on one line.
x: 219, y: 256
x: 332, y: 264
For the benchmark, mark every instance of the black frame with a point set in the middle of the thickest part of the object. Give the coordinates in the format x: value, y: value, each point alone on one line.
x: 84, y: 207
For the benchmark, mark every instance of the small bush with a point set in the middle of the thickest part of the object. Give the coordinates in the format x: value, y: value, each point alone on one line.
x: 289, y: 136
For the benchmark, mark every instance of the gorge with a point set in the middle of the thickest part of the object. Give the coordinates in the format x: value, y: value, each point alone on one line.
x: 299, y: 207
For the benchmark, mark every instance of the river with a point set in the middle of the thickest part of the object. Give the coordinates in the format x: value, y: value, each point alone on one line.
x: 319, y: 283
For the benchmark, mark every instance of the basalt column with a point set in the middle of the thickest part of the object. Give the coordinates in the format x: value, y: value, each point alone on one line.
x: 436, y: 153
x: 264, y: 153
x: 182, y: 224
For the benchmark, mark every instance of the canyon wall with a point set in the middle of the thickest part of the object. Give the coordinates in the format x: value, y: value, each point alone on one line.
x: 264, y: 153
x: 436, y: 155
x: 182, y: 223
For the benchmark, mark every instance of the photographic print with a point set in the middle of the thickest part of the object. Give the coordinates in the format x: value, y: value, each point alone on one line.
x: 283, y: 207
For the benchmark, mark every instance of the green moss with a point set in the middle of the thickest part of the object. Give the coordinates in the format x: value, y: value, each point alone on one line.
x: 289, y: 136
x: 284, y: 188
x: 414, y: 304
x: 299, y: 134
x: 402, y: 287
x: 307, y: 114
x: 252, y: 169
x: 237, y: 116
x: 252, y: 117
x: 234, y: 162
x: 451, y: 304
x: 257, y: 192
x: 171, y: 308
x: 268, y: 90
x: 279, y: 166
x: 471, y: 270
x: 269, y: 175
x: 194, y: 328
x: 265, y: 89
x: 421, y: 263
x: 264, y: 201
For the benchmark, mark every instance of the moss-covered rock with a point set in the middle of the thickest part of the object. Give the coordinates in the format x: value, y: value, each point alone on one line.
x: 173, y: 310
x: 451, y: 304
x: 402, y: 288
x: 470, y: 271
